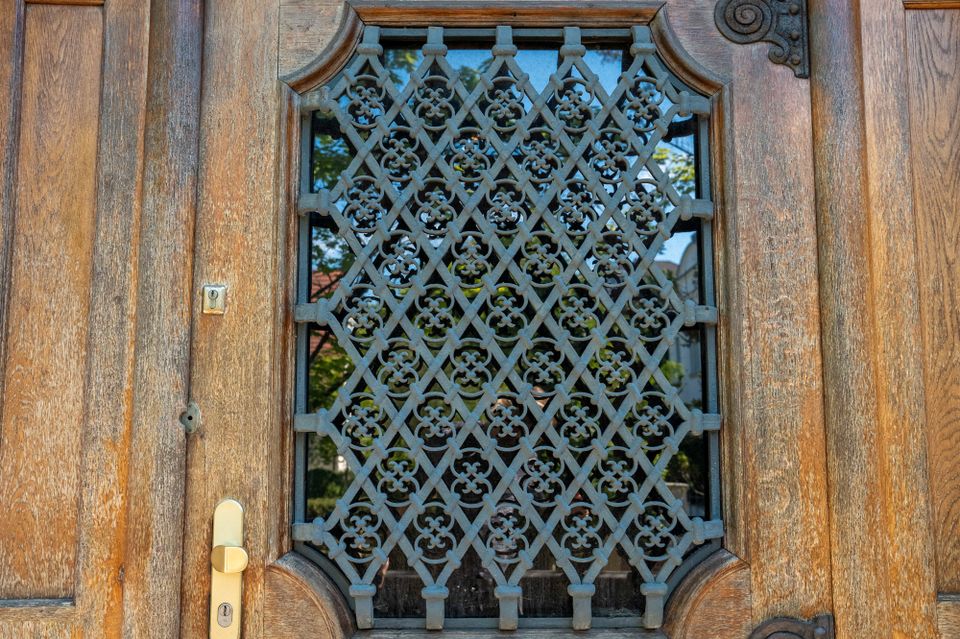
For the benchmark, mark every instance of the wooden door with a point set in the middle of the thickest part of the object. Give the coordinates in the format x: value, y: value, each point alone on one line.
x: 151, y: 148
x: 93, y: 265
x: 776, y: 555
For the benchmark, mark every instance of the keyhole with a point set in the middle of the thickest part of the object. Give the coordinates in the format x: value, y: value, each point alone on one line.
x: 213, y: 295
x: 224, y: 614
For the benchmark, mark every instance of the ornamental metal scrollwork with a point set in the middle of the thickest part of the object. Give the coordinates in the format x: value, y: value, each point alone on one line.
x: 783, y: 23
x: 820, y: 627
x: 508, y: 322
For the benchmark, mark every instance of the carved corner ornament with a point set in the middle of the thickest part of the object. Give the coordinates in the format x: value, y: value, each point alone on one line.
x: 820, y: 627
x: 782, y: 23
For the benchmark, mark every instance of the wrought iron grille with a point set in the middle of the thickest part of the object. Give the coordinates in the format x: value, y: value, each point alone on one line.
x: 506, y: 394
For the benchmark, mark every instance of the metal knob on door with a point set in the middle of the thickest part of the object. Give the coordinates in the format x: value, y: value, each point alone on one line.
x: 228, y: 560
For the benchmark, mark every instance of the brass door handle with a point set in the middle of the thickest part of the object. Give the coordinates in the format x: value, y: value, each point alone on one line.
x: 228, y: 559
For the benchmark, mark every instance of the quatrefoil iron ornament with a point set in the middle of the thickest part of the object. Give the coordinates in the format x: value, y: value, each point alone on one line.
x: 508, y: 324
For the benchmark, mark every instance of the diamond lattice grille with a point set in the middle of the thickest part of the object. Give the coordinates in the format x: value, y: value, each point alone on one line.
x: 507, y: 324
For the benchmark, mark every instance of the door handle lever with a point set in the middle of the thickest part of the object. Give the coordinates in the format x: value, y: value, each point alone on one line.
x: 228, y: 560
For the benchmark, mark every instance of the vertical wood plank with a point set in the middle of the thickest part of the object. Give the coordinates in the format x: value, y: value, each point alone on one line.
x: 163, y: 316
x: 235, y: 371
x: 52, y: 248
x: 847, y: 303
x: 110, y: 341
x: 106, y: 436
x: 871, y: 346
x: 934, y: 93
x: 771, y: 346
x: 900, y: 459
x: 11, y: 58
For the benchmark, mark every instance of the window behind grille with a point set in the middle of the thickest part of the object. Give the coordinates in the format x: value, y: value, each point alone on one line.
x: 507, y: 404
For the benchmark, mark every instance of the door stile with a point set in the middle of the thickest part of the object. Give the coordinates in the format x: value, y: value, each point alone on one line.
x: 883, y: 573
x: 155, y: 509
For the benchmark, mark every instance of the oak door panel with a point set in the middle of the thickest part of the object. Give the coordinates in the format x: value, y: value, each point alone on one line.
x: 52, y: 255
x: 933, y: 39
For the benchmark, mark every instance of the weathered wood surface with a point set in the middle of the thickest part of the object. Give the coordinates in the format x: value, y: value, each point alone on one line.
x: 90, y: 3
x: 871, y: 344
x: 770, y: 341
x: 79, y: 114
x: 712, y: 601
x: 154, y: 536
x: 900, y: 464
x: 301, y: 602
x: 849, y: 330
x: 236, y: 368
x: 11, y: 67
x: 113, y: 291
x: 306, y: 27
x: 49, y: 305
x: 933, y: 49
x: 948, y: 616
x: 931, y: 4
x: 541, y: 13
x: 127, y: 311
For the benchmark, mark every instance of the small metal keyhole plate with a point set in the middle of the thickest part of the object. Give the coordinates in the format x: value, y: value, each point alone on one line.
x: 214, y: 299
x: 225, y: 615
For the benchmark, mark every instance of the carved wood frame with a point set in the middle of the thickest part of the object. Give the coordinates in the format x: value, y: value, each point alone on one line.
x: 298, y: 592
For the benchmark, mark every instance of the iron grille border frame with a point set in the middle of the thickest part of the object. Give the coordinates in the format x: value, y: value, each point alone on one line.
x: 704, y: 157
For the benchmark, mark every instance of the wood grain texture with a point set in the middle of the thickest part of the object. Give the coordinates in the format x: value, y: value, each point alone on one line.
x: 55, y: 616
x: 306, y: 27
x: 931, y: 4
x: 774, y: 460
x: 238, y: 451
x: 543, y: 13
x: 712, y: 601
x: 110, y: 340
x: 948, y: 616
x: 49, y: 307
x: 691, y: 26
x: 900, y: 459
x: 301, y: 602
x: 37, y: 629
x: 317, y: 36
x: 857, y: 474
x: 163, y: 321
x: 83, y: 177
x: 332, y: 57
x: 934, y: 92
x: 68, y: 3
x: 871, y: 345
x: 11, y: 58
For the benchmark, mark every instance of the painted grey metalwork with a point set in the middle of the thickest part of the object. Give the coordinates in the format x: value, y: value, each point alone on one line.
x: 783, y: 23
x: 507, y: 320
x: 820, y: 627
